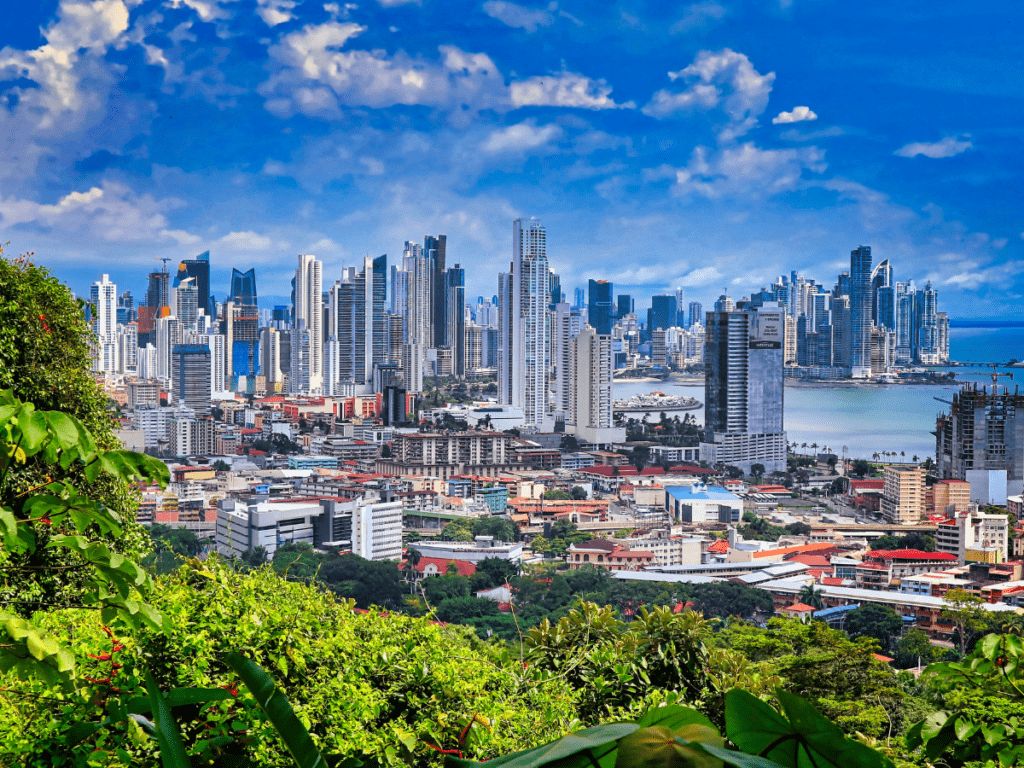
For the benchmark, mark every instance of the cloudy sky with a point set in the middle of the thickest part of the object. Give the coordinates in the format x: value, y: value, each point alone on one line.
x: 708, y: 146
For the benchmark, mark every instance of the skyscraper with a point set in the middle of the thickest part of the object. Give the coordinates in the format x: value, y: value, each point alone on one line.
x: 199, y: 270
x: 861, y: 308
x: 435, y: 250
x: 103, y: 296
x: 411, y: 298
x: 191, y: 377
x: 356, y: 327
x: 307, y: 363
x: 158, y: 293
x: 524, y: 323
x: 623, y: 305
x: 696, y: 314
x: 599, y: 306
x: 743, y: 390
x: 565, y: 326
x: 243, y: 288
x: 663, y: 313
x: 455, y: 325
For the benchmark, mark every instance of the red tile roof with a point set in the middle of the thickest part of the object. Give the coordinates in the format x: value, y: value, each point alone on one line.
x: 465, y: 567
x: 720, y: 547
x: 908, y: 554
x: 800, y: 608
x: 815, y: 547
x: 829, y: 581
x: 812, y: 561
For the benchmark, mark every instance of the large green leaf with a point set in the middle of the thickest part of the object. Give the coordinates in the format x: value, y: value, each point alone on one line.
x: 274, y: 703
x: 806, y: 740
x: 673, y: 717
x: 172, y: 751
x: 599, y: 743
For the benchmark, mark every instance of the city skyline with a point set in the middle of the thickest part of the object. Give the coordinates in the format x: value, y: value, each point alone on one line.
x: 702, y: 146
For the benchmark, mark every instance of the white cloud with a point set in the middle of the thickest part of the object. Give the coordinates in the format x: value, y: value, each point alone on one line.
x: 112, y: 213
x: 723, y: 79
x: 246, y: 241
x: 700, y: 277
x: 274, y: 12
x: 314, y: 77
x: 564, y: 90
x: 521, y: 137
x: 395, y: 3
x: 746, y: 171
x: 798, y: 115
x: 518, y: 16
x: 948, y: 147
x: 207, y: 10
x: 698, y: 16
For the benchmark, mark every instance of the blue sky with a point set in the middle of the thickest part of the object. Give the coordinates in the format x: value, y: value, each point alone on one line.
x: 711, y: 145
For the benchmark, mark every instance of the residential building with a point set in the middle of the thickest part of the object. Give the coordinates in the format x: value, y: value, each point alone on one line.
x: 565, y: 326
x: 455, y: 453
x: 903, y: 496
x: 973, y: 532
x: 883, y: 568
x: 951, y: 496
x: 744, y: 393
x: 455, y: 324
x: 190, y: 377
x: 524, y: 324
x: 307, y: 358
x: 103, y: 297
x: 609, y: 555
x: 590, y: 403
x: 143, y: 394
x: 197, y: 270
x: 190, y: 436
x: 356, y: 329
x: 377, y: 530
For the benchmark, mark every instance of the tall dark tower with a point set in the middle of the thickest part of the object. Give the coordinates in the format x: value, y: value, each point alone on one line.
x: 599, y: 307
x: 198, y: 269
x: 435, y: 248
x: 861, y: 308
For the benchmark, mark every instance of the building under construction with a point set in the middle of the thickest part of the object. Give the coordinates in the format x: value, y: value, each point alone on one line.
x: 983, y: 430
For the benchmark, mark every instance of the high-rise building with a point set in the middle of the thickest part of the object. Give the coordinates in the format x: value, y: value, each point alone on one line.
x: 524, y: 323
x: 103, y: 297
x: 158, y: 294
x: 565, y: 326
x: 356, y: 327
x: 927, y: 317
x: 185, y: 302
x: 307, y: 369
x: 984, y: 430
x: 128, y: 348
x: 696, y: 314
x: 190, y: 377
x: 623, y: 305
x: 744, y: 395
x: 125, y: 308
x: 198, y: 269
x: 590, y: 403
x: 243, y: 288
x: 411, y: 298
x: 270, y: 359
x: 579, y: 298
x: 663, y: 313
x: 903, y: 495
x: 220, y: 377
x: 881, y: 278
x: 555, y: 288
x: 861, y: 312
x: 435, y: 250
x: 599, y: 306
x: 455, y: 325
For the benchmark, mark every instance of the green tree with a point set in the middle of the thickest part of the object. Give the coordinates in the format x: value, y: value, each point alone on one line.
x: 879, y: 622
x: 757, y: 470
x: 221, y: 466
x: 440, y: 588
x: 964, y: 610
x: 914, y: 648
x: 555, y: 494
x: 810, y: 596
x: 578, y: 494
x: 493, y: 572
x: 502, y: 529
x: 861, y: 467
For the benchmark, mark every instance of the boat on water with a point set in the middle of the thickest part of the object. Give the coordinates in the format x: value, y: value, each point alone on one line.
x: 656, y: 401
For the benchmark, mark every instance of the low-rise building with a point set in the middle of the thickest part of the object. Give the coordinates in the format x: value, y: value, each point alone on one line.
x: 608, y: 554
x: 974, y: 536
x: 883, y: 568
x: 702, y: 503
x: 481, y: 548
x: 951, y: 496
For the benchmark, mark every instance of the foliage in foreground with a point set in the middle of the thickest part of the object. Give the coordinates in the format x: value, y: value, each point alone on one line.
x: 365, y: 684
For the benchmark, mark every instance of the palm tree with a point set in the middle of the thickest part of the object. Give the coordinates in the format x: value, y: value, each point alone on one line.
x: 803, y: 445
x: 810, y: 596
x: 915, y: 458
x: 875, y: 455
x: 412, y: 559
x: 814, y: 447
x: 903, y: 456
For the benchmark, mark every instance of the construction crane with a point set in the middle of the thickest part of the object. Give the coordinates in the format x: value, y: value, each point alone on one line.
x: 994, y: 373
x: 164, y: 260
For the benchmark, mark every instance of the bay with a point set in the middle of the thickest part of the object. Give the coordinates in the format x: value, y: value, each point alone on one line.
x: 870, y: 418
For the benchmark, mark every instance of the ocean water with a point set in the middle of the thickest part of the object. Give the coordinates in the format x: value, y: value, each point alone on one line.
x: 866, y: 419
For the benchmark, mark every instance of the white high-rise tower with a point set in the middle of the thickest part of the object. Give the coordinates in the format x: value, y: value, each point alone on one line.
x: 524, y: 324
x: 103, y: 296
x: 307, y: 334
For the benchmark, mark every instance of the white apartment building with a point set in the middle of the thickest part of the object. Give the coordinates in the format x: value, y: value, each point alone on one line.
x: 971, y: 531
x: 307, y: 335
x: 590, y: 409
x: 103, y: 296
